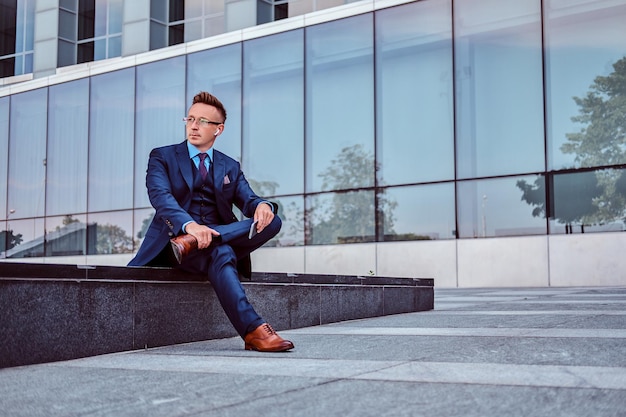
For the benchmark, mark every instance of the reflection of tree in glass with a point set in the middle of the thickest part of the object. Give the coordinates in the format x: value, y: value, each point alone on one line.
x: 603, y: 112
x: 349, y: 216
x: 144, y: 226
x: 573, y: 197
x: 599, y: 197
x: 112, y: 239
x: 9, y: 240
x: 267, y: 189
x: 603, y: 140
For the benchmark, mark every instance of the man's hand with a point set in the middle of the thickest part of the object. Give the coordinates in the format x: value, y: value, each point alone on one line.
x: 203, y: 234
x: 263, y: 215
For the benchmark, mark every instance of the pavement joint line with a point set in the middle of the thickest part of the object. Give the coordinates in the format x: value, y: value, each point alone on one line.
x: 521, y: 332
x: 594, y: 377
x: 220, y: 364
x: 528, y: 313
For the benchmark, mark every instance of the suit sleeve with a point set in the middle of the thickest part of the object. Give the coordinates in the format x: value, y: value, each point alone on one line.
x: 167, y: 191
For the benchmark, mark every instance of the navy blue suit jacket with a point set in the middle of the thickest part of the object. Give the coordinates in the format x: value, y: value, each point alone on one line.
x: 169, y: 181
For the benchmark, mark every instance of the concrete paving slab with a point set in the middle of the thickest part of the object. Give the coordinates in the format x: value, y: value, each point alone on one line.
x: 497, y: 356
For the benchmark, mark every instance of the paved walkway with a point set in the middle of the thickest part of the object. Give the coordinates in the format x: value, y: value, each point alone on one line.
x: 482, y: 352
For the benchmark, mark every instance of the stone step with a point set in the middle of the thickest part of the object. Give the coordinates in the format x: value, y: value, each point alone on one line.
x: 59, y: 312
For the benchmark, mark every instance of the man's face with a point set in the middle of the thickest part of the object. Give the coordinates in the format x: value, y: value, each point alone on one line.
x: 200, y: 133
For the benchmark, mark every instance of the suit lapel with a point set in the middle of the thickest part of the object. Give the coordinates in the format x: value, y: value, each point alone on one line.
x: 219, y: 171
x: 182, y: 157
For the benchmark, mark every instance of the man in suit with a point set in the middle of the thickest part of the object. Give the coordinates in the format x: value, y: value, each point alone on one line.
x: 193, y: 188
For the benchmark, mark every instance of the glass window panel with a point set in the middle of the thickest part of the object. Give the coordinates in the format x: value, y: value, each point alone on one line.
x: 67, y: 25
x: 177, y: 9
x: 100, y: 49
x: 176, y: 34
x: 66, y: 53
x: 499, y: 95
x: 25, y: 238
x: 274, y: 79
x: 142, y: 220
x: 116, y: 11
x: 4, y: 239
x: 86, y: 19
x: 27, y: 154
x: 593, y: 201
x: 68, y: 4
x: 214, y: 26
x: 100, y: 19
x: 111, y: 137
x: 85, y: 52
x: 193, y: 30
x: 115, y: 46
x: 158, y: 10
x: 66, y: 235
x: 28, y: 63
x: 213, y: 6
x: 414, y: 93
x: 291, y: 212
x: 110, y: 233
x: 422, y: 212
x: 224, y: 81
x: 4, y: 155
x: 29, y: 26
x: 501, y: 207
x: 68, y: 121
x: 583, y: 45
x: 193, y: 8
x: 160, y: 108
x: 340, y: 103
x: 346, y: 217
x: 158, y: 35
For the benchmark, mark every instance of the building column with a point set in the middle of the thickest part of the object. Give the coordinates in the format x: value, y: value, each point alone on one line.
x: 136, y: 27
x: 46, y: 43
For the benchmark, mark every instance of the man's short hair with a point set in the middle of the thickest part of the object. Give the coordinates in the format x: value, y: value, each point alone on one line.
x: 211, y: 100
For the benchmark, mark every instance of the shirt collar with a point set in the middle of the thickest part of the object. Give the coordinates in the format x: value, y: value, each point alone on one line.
x: 193, y: 151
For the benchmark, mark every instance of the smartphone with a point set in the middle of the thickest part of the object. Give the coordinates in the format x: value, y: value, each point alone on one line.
x: 253, y: 231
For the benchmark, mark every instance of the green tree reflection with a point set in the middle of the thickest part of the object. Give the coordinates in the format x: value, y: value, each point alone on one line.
x: 349, y: 217
x: 598, y: 197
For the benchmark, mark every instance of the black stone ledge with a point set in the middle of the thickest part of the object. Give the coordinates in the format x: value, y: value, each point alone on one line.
x: 89, y: 272
x: 60, y: 312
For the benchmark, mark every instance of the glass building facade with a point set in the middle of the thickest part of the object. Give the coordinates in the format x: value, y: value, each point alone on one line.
x: 457, y: 132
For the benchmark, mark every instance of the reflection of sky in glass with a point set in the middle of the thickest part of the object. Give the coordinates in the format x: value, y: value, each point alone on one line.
x: 273, y: 124
x: 578, y: 50
x: 27, y: 154
x: 415, y: 123
x: 426, y: 210
x: 499, y: 88
x: 68, y: 121
x: 111, y: 137
x: 4, y: 156
x: 494, y: 207
x: 218, y: 71
x: 499, y: 118
x: 160, y: 108
x: 340, y: 111
x: 32, y: 238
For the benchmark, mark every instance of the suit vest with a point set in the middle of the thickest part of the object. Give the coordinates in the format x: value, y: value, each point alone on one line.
x: 203, y: 207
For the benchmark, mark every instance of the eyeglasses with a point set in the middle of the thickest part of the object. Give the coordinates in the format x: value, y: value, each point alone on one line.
x: 202, y: 122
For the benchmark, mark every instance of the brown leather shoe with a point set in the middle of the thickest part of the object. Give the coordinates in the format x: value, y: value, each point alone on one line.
x: 265, y: 339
